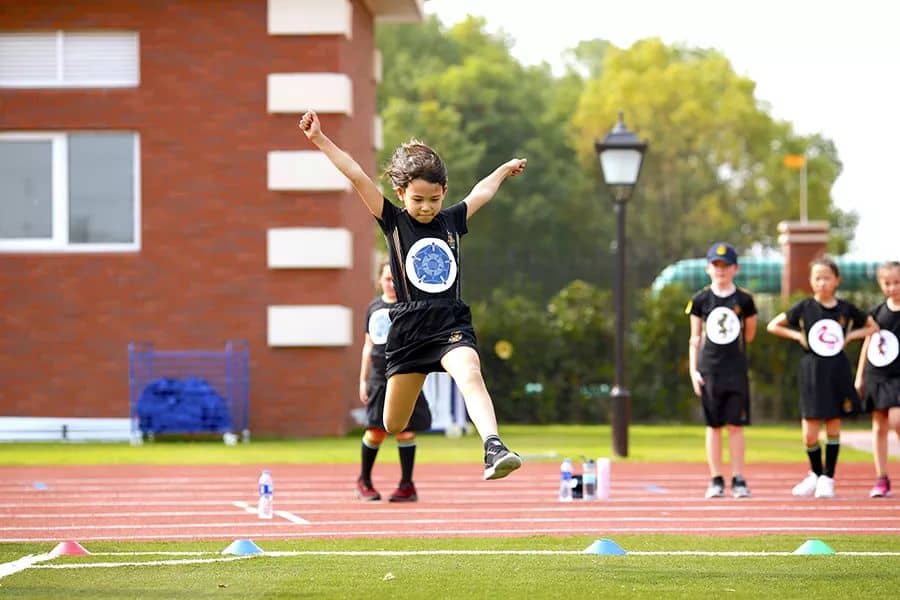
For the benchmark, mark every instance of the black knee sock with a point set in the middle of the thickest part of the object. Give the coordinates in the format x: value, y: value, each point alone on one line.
x: 368, y: 461
x: 832, y: 448
x: 815, y: 459
x: 407, y: 453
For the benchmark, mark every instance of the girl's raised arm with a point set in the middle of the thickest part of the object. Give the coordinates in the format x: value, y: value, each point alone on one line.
x: 364, y: 186
x: 485, y: 189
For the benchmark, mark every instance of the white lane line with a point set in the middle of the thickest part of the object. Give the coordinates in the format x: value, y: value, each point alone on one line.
x: 280, y: 513
x: 23, y: 563
x: 284, y: 534
x: 148, y: 563
x: 291, y: 517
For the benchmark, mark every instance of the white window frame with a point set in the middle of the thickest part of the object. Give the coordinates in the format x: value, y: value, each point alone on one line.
x: 60, y: 82
x: 59, y: 173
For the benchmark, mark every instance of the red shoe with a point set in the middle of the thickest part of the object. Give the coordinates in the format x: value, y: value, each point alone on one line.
x: 365, y: 491
x: 405, y: 492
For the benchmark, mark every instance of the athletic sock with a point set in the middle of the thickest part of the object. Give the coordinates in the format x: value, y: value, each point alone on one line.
x: 832, y: 448
x: 815, y: 458
x: 491, y: 440
x: 368, y: 461
x: 407, y: 451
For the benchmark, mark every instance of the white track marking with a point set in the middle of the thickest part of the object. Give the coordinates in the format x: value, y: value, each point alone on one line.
x: 280, y: 513
x: 24, y: 563
x: 147, y: 563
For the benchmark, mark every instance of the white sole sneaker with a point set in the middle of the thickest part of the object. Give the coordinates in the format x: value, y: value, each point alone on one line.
x: 807, y: 487
x: 503, y: 466
x: 824, y: 487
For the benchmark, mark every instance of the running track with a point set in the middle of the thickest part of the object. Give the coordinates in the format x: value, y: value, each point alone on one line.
x: 50, y: 504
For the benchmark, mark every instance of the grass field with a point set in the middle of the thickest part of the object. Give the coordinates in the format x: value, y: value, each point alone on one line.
x: 656, y: 566
x: 537, y: 567
x: 779, y: 444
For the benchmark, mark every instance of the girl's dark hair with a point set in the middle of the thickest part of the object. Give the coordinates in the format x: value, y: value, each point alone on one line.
x: 826, y: 261
x: 415, y: 160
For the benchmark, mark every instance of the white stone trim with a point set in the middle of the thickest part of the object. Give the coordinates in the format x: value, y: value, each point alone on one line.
x: 304, y: 170
x: 377, y: 66
x: 309, y: 248
x: 299, y: 92
x: 310, y: 325
x: 310, y: 17
x: 377, y: 133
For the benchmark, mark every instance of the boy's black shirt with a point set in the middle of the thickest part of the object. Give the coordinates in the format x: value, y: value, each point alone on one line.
x: 715, y: 356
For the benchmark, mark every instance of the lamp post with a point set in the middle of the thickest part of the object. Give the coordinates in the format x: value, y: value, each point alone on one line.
x: 621, y: 154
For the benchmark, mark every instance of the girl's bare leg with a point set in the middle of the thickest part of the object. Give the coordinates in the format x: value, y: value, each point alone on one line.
x: 880, y: 441
x: 714, y: 450
x: 400, y: 398
x: 463, y: 364
x: 736, y: 449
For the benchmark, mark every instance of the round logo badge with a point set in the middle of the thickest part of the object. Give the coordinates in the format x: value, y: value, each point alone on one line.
x: 379, y: 325
x: 722, y: 325
x: 826, y: 338
x: 883, y: 348
x: 430, y: 265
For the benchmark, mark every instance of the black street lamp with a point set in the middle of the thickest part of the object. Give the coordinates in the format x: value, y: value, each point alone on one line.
x: 621, y: 154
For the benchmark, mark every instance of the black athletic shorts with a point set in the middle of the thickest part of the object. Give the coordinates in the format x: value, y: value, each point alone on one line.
x: 725, y: 398
x: 423, y: 332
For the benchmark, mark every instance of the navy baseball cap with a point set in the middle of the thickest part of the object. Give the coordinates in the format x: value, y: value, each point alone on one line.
x: 724, y: 252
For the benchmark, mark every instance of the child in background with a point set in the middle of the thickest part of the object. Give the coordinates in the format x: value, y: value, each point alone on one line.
x: 431, y: 327
x: 823, y: 325
x: 878, y: 374
x: 723, y: 322
x: 372, y: 384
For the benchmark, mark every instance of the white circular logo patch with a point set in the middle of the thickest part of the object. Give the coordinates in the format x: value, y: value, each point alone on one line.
x: 430, y: 265
x: 826, y: 338
x: 883, y: 348
x: 379, y: 325
x: 722, y: 325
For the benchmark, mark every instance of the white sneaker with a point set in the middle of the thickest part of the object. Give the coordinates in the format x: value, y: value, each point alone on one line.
x: 807, y: 487
x: 825, y: 487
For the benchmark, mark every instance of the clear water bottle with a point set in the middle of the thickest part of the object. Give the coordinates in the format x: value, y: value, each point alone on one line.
x: 565, y: 480
x: 603, y: 478
x: 266, y: 491
x: 589, y: 479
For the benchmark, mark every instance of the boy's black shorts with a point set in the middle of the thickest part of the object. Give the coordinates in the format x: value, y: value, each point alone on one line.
x: 423, y: 332
x: 420, y: 420
x: 726, y: 399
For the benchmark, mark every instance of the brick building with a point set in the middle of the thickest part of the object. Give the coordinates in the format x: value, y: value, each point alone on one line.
x: 154, y: 186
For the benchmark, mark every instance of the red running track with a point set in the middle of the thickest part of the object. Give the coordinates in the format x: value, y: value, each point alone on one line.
x: 49, y: 504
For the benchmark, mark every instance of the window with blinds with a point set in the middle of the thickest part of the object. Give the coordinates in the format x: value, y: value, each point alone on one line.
x: 69, y: 59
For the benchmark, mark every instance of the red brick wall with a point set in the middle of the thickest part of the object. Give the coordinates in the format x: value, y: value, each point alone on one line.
x: 201, y: 276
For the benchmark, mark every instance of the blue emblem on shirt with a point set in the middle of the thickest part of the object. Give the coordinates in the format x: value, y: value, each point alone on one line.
x: 432, y: 264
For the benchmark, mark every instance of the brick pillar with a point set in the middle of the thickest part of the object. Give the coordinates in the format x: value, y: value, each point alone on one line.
x: 801, y: 242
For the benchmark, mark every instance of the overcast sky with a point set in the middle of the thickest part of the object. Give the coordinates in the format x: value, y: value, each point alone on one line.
x: 827, y: 66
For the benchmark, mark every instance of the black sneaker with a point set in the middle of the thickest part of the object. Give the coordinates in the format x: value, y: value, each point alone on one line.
x: 499, y: 461
x: 716, y: 488
x: 739, y: 487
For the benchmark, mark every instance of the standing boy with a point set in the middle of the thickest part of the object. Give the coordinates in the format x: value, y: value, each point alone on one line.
x: 723, y: 322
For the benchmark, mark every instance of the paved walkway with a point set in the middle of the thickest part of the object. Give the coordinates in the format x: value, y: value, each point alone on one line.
x: 862, y: 440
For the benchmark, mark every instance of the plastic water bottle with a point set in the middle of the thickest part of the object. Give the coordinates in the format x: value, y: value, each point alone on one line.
x: 589, y: 480
x: 266, y: 491
x: 565, y: 480
x: 603, y: 478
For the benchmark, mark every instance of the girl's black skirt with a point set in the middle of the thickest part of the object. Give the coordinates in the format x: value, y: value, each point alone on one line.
x: 826, y: 387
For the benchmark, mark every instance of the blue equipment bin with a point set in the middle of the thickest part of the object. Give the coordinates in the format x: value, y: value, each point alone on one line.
x: 189, y: 391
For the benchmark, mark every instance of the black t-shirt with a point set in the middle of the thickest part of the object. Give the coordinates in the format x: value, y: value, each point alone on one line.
x: 424, y: 257
x: 723, y: 348
x: 882, y: 361
x: 825, y: 328
x: 378, y: 323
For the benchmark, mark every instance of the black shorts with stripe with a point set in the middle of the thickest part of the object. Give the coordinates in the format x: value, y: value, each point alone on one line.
x: 423, y: 332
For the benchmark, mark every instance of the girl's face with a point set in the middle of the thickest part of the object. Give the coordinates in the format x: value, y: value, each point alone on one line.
x: 889, y: 281
x: 823, y: 281
x: 386, y: 280
x: 422, y: 199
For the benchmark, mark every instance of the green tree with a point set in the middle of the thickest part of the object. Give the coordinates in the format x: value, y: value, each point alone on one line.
x: 714, y: 168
